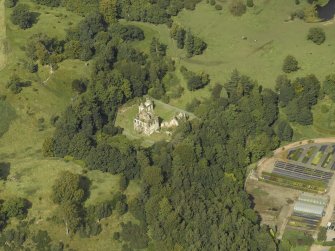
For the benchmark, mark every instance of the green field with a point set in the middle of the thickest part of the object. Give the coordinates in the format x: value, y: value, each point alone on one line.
x: 270, y: 38
x: 260, y: 56
x: 295, y: 236
x: 2, y: 35
x: 31, y: 176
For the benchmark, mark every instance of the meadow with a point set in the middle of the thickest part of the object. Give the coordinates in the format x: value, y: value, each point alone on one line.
x: 31, y: 175
x: 269, y: 39
x: 271, y: 36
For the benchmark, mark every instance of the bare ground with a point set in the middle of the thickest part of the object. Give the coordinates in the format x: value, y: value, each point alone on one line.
x: 273, y: 203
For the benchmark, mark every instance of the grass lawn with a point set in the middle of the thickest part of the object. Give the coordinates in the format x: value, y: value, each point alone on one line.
x: 31, y: 175
x: 295, y: 235
x: 270, y: 38
x: 324, y: 116
x: 2, y: 35
x: 7, y: 114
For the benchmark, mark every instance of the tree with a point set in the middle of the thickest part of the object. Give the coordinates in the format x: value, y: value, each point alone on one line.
x: 290, y: 64
x: 79, y: 85
x: 108, y: 8
x: 237, y: 8
x: 329, y: 86
x: 316, y: 35
x: 284, y: 131
x: 22, y: 17
x: 69, y: 188
x: 42, y: 240
x: 10, y: 3
x: 250, y: 3
x: 322, y: 234
x: 69, y: 213
x: 15, y: 207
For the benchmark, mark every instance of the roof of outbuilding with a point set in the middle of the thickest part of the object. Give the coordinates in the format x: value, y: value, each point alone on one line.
x: 309, y: 208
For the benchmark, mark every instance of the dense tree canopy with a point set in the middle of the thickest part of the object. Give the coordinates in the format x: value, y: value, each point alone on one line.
x: 23, y: 17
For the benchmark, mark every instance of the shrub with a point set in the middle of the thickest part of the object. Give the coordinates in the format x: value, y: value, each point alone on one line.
x: 322, y: 234
x: 317, y: 35
x: 290, y: 64
x: 250, y: 3
x: 22, y: 17
x: 212, y: 2
x: 237, y: 8
x: 218, y: 7
x: 10, y: 3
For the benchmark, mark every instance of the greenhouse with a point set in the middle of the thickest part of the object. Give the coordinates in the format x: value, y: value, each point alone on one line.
x: 314, y: 199
x: 309, y: 208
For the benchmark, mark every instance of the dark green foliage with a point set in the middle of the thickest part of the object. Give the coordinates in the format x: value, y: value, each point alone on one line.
x: 15, y: 84
x: 99, y: 211
x: 80, y: 145
x: 194, y: 45
x: 179, y: 34
x: 290, y: 64
x: 123, y: 183
x: 121, y: 207
x: 297, y: 112
x: 10, y: 3
x: 79, y: 85
x: 212, y: 2
x: 297, y: 2
x: 70, y: 188
x: 316, y: 35
x: 329, y: 86
x: 4, y: 170
x: 197, y: 82
x: 90, y: 229
x: 285, y: 89
x: 157, y: 12
x: 42, y: 241
x: 156, y: 48
x: 193, y: 105
x: 322, y: 234
x: 13, y: 239
x: 238, y: 86
x: 31, y: 66
x: 284, y: 131
x: 135, y: 235
x: 116, y: 236
x: 15, y: 207
x: 23, y: 17
x: 194, y: 81
x: 250, y: 3
x: 218, y: 7
x: 127, y: 32
x: 80, y: 39
x: 45, y: 49
x: 307, y: 90
x: 237, y: 7
x: 136, y: 208
x: 51, y: 3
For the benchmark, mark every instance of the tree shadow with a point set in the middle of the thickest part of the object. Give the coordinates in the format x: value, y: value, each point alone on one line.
x: 85, y: 184
x: 4, y: 170
x: 35, y: 17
